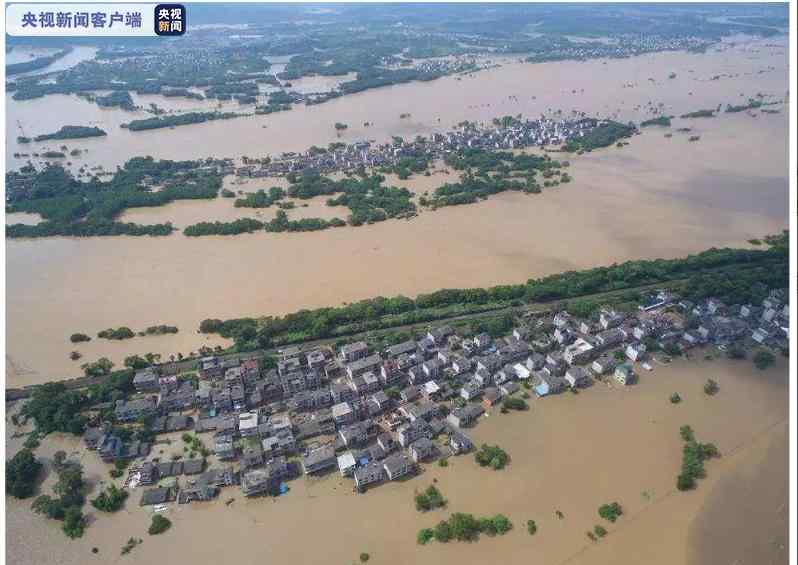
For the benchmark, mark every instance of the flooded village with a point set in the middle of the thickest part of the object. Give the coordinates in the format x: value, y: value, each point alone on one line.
x: 250, y: 427
x: 314, y: 447
x: 514, y: 133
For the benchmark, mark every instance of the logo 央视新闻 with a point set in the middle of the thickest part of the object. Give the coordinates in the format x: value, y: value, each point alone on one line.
x: 170, y: 19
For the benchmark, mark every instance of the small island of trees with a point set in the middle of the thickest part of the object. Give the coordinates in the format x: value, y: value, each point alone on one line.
x: 22, y: 472
x: 261, y: 198
x: 175, y: 120
x: 465, y: 527
x: 693, y: 456
x: 491, y: 456
x: 117, y: 333
x: 430, y: 499
x: 699, y: 114
x: 72, y: 132
x: 604, y: 135
x: 660, y: 121
x: 159, y: 525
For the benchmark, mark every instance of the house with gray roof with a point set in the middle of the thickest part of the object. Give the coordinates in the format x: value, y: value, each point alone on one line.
x: 459, y: 442
x: 363, y: 365
x: 354, y: 351
x: 146, y: 380
x: 371, y: 473
x: 154, y: 496
x: 397, y: 466
x: 319, y: 459
x: 421, y: 449
x: 395, y: 351
x: 465, y: 416
x: 132, y: 410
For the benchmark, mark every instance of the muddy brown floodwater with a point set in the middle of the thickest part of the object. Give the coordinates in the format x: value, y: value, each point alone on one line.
x: 657, y: 197
x: 570, y: 453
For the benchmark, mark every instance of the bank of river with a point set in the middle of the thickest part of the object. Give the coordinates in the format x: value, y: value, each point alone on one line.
x: 569, y: 453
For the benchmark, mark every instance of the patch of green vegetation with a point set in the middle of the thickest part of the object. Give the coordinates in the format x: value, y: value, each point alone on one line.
x: 465, y: 527
x: 514, y: 403
x: 492, y: 172
x: 611, y: 511
x: 159, y: 525
x: 120, y: 98
x: 693, y: 456
x: 72, y: 207
x: 37, y: 63
x: 161, y: 329
x: 752, y: 105
x: 117, y: 333
x: 176, y: 120
x: 659, y: 121
x: 261, y: 199
x: 425, y: 535
x: 112, y: 499
x: 711, y: 387
x: 242, y: 225
x: 763, y: 359
x: 491, y: 456
x: 603, y: 135
x: 430, y: 499
x: 70, y: 498
x: 128, y: 547
x: 281, y: 223
x: 22, y: 472
x: 699, y: 114
x: 72, y: 132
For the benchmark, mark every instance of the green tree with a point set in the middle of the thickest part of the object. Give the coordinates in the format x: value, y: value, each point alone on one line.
x: 443, y: 532
x: 736, y: 352
x: 136, y: 362
x: 49, y: 506
x: 502, y: 524
x: 531, y: 527
x: 424, y: 536
x: 464, y: 527
x: 610, y: 511
x: 492, y: 456
x: 22, y: 471
x: 74, y: 523
x: 111, y: 499
x: 763, y: 359
x: 70, y: 485
x: 159, y: 525
x: 711, y: 387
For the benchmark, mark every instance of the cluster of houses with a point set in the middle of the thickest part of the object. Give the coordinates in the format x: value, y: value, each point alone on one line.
x: 373, y: 416
x: 515, y: 135
x: 767, y: 324
x: 623, y: 45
